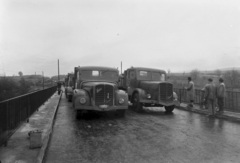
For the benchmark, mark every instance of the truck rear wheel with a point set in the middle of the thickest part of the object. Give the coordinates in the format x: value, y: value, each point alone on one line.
x: 138, y: 107
x: 169, y: 109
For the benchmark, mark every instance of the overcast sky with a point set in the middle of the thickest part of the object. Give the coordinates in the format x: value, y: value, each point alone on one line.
x: 179, y: 35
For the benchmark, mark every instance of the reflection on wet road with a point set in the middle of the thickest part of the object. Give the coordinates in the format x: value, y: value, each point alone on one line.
x: 152, y: 136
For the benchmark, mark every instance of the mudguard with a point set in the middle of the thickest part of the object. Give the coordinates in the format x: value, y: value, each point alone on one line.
x: 77, y: 94
x: 142, y: 93
x: 121, y: 94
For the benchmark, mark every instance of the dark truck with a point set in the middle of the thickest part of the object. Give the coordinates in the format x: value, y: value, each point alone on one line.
x: 147, y: 87
x: 69, y: 86
x: 96, y: 89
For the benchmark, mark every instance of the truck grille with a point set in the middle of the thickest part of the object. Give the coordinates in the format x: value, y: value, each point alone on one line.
x: 104, y: 95
x: 166, y: 91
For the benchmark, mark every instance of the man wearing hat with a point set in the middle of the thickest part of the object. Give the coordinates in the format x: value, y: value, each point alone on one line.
x: 210, y: 97
x: 221, y: 92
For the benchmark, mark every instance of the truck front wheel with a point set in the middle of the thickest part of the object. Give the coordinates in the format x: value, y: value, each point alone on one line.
x: 136, y: 104
x: 121, y: 113
x: 169, y: 109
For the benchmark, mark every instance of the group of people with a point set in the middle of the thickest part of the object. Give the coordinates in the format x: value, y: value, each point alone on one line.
x: 212, y: 96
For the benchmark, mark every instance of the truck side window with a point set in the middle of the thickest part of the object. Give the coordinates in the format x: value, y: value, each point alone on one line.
x: 95, y: 73
x: 131, y: 75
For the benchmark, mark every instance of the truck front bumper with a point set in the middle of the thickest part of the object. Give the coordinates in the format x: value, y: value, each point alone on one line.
x: 101, y: 108
x: 157, y: 103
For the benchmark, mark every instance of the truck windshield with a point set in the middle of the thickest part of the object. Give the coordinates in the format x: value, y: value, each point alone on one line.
x: 157, y: 76
x: 148, y: 75
x: 144, y: 75
x: 99, y: 75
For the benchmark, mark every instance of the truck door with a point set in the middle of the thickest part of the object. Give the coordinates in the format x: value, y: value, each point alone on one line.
x: 131, y: 77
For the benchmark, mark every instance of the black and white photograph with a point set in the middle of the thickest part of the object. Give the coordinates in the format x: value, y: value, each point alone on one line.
x: 119, y: 81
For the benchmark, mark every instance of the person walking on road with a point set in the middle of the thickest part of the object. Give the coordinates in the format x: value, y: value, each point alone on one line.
x: 210, y: 97
x: 221, y: 92
x: 190, y: 92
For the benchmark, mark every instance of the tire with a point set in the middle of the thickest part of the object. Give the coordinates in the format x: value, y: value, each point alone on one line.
x: 137, y: 106
x: 121, y: 113
x: 169, y: 109
x: 79, y: 114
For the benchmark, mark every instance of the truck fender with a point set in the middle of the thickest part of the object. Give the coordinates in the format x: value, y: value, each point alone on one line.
x: 141, y: 92
x: 121, y: 94
x: 78, y: 93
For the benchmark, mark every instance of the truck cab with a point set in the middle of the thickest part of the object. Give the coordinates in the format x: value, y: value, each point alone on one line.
x: 147, y: 87
x: 96, y: 89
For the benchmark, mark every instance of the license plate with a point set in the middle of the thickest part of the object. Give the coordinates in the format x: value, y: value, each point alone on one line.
x: 103, y: 106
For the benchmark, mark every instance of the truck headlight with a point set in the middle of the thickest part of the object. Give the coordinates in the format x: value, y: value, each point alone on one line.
x: 121, y: 101
x: 83, y: 100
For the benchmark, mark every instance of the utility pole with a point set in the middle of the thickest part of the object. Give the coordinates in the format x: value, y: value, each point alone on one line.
x: 58, y: 84
x: 58, y: 70
x: 43, y: 79
x: 121, y: 67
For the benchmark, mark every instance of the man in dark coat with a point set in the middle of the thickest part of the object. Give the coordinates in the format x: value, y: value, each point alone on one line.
x: 210, y: 97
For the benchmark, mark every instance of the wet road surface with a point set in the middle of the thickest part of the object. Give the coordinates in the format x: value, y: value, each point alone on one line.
x: 152, y: 136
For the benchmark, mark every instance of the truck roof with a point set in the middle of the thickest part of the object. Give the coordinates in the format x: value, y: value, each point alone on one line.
x: 97, y: 68
x: 147, y: 69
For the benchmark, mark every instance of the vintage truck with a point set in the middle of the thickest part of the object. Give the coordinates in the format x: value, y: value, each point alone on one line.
x: 96, y: 89
x: 69, y: 86
x: 147, y: 87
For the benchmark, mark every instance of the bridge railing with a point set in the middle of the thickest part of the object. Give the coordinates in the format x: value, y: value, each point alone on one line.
x: 232, y: 100
x: 15, y: 111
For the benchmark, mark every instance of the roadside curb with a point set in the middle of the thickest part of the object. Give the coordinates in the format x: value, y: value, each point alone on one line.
x: 226, y: 117
x: 43, y: 149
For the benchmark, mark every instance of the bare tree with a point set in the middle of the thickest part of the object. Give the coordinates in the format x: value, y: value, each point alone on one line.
x: 232, y: 78
x: 20, y: 73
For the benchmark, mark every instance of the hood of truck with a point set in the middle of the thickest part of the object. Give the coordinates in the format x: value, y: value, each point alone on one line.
x: 89, y: 85
x: 159, y: 90
x: 150, y: 84
x: 94, y: 83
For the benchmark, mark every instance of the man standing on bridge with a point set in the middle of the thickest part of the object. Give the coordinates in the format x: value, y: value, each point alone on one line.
x: 190, y: 92
x: 210, y: 97
x: 220, y: 96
